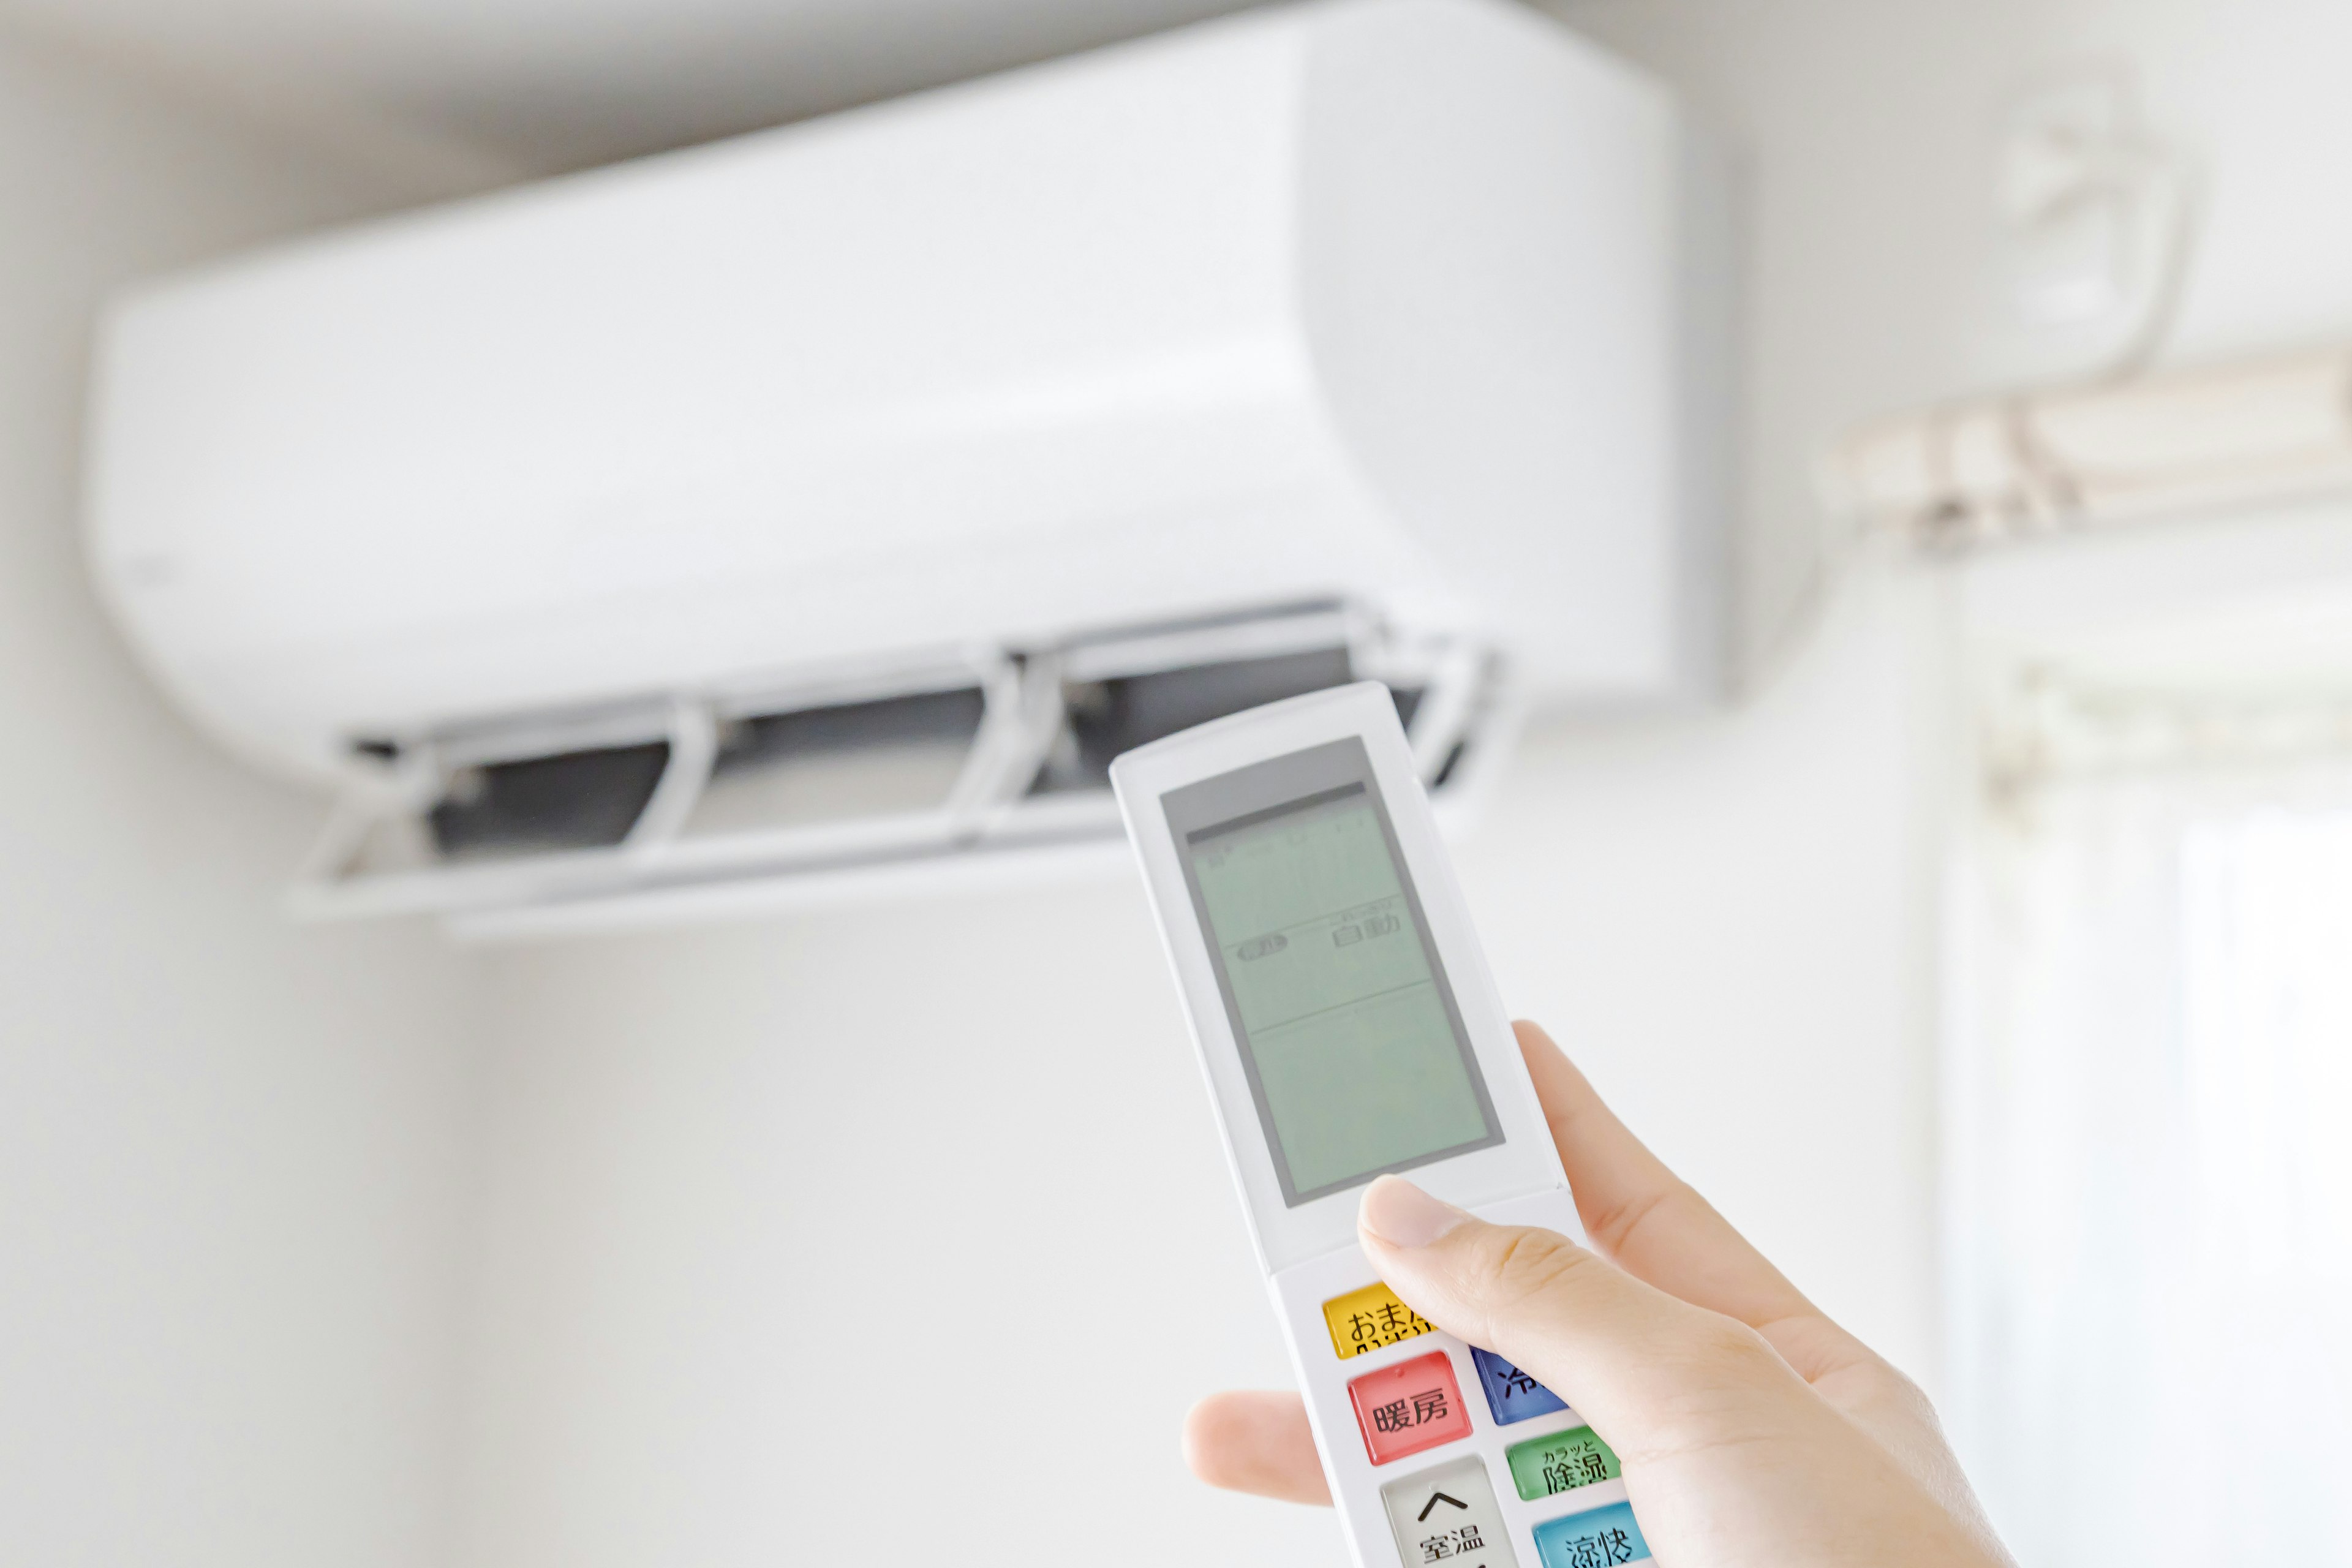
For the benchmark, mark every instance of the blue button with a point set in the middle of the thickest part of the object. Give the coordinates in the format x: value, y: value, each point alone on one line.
x: 1594, y: 1539
x: 1511, y: 1394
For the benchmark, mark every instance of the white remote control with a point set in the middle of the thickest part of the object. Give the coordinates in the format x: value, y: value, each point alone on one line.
x: 1348, y: 1026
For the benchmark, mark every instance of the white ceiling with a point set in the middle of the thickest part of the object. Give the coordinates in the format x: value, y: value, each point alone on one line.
x: 543, y: 84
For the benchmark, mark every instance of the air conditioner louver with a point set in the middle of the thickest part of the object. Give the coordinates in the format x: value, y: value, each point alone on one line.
x: 890, y: 779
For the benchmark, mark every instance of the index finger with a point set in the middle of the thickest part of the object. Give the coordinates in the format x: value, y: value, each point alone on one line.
x: 1640, y: 1215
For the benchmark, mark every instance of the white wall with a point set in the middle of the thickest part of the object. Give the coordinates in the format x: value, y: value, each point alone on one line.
x: 232, y: 1155
x: 1870, y: 131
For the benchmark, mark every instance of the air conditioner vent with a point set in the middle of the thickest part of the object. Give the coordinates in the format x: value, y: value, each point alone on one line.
x: 894, y: 776
x: 577, y: 800
x: 1104, y: 718
x: 798, y: 768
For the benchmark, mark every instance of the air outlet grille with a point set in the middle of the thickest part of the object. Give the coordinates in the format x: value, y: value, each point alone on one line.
x: 898, y: 776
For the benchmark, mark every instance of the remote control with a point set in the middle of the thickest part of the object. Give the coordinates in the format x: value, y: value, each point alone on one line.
x: 1348, y: 1026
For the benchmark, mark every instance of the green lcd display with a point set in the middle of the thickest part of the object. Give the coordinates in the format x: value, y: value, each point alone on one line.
x: 1355, y: 1049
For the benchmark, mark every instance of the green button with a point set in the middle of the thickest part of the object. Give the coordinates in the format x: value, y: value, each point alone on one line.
x: 1547, y: 1467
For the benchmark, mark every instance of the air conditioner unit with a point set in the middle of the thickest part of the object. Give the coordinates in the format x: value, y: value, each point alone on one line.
x: 820, y: 510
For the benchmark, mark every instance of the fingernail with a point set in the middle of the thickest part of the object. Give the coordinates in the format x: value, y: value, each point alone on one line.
x: 1404, y: 1215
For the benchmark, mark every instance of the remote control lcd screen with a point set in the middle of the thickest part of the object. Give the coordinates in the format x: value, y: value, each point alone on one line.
x: 1355, y: 1049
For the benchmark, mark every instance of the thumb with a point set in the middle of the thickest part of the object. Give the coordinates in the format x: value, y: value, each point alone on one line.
x: 1651, y: 1371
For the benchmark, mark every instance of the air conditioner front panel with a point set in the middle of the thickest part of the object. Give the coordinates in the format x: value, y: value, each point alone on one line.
x: 978, y: 328
x: 1355, y: 301
x: 1495, y: 239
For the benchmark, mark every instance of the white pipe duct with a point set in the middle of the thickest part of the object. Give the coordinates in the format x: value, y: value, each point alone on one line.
x: 1977, y: 473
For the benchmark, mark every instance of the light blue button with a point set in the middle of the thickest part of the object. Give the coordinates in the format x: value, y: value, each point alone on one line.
x: 1595, y: 1540
x: 1511, y: 1394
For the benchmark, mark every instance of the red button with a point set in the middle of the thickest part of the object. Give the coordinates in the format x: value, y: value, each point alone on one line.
x: 1409, y: 1407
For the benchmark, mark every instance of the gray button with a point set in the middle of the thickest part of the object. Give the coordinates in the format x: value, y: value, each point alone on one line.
x: 1448, y: 1515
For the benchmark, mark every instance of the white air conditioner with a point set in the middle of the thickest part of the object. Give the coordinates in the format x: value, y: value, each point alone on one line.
x: 819, y: 511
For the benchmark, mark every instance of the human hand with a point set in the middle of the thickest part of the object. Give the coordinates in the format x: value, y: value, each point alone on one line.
x: 1754, y: 1432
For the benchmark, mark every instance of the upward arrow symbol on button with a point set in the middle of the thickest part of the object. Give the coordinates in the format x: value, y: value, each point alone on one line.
x: 1437, y: 1497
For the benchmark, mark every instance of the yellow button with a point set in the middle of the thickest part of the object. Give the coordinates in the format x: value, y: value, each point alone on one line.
x: 1363, y: 1320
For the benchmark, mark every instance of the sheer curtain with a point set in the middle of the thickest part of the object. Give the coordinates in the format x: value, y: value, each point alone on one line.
x: 2149, y: 1162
